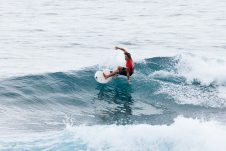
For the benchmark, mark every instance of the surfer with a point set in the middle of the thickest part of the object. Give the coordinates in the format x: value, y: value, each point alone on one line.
x: 126, y: 71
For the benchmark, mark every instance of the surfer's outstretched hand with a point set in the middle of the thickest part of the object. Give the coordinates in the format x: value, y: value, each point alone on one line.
x: 116, y: 47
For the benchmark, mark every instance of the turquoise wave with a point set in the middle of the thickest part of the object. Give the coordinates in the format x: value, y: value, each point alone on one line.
x: 157, y: 95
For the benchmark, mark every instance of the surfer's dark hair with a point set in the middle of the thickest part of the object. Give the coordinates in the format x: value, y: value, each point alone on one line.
x: 128, y: 55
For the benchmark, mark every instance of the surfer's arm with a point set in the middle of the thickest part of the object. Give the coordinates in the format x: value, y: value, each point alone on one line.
x: 124, y: 50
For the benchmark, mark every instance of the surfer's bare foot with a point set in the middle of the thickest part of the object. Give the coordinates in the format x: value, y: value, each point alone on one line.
x: 105, y: 76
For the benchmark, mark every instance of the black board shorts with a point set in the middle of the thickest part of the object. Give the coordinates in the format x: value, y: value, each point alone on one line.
x: 123, y: 72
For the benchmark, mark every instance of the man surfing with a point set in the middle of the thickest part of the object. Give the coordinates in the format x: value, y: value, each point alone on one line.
x: 126, y: 71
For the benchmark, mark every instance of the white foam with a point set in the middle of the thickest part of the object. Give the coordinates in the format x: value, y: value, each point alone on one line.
x: 205, y: 70
x: 191, y: 94
x: 184, y: 134
x: 222, y: 92
x: 163, y: 74
x: 208, y: 71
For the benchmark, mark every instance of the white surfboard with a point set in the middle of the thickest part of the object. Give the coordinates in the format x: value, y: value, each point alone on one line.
x: 99, y: 77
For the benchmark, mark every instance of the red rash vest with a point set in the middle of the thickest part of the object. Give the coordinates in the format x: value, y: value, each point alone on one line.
x: 129, y: 66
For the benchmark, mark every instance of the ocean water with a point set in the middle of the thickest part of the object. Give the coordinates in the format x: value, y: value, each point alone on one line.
x: 51, y: 49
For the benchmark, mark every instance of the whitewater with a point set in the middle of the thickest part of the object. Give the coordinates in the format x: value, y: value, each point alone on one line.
x: 50, y: 51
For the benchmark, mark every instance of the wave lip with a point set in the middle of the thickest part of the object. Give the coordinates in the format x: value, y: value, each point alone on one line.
x: 206, y: 71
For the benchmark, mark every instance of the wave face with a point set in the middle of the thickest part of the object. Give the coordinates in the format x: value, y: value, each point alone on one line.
x: 161, y: 90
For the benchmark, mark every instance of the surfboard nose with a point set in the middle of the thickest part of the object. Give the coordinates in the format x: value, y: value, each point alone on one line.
x: 99, y: 77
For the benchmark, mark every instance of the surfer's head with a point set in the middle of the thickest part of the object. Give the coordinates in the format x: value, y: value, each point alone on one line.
x: 127, y: 56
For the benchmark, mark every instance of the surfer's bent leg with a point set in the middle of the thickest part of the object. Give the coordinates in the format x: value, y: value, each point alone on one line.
x: 113, y: 73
